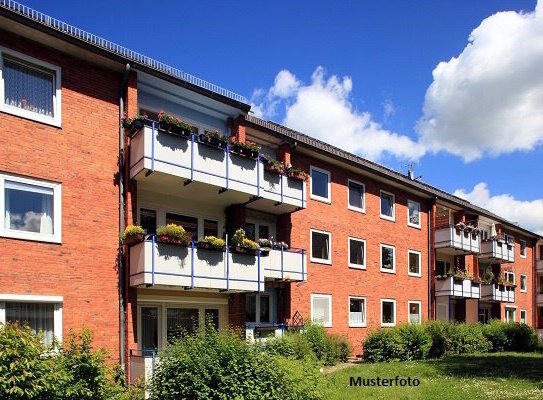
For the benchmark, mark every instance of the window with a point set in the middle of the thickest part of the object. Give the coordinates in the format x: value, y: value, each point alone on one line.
x: 41, y: 313
x: 320, y: 247
x: 413, y: 214
x: 509, y: 277
x: 180, y: 321
x: 258, y: 308
x: 414, y: 309
x: 522, y: 316
x: 388, y: 312
x: 523, y: 283
x: 357, y: 311
x: 211, y: 228
x: 388, y: 263
x: 320, y: 184
x: 190, y: 224
x: 263, y: 231
x: 523, y: 248
x: 387, y: 206
x: 357, y: 192
x: 30, y: 209
x: 251, y: 229
x: 443, y: 268
x: 148, y: 220
x: 510, y: 314
x: 150, y: 318
x: 414, y: 263
x: 29, y: 88
x: 357, y: 253
x: 321, y: 309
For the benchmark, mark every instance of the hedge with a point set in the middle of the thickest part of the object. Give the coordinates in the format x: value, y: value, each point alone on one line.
x: 434, y: 339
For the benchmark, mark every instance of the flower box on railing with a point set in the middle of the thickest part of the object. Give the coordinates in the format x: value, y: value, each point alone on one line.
x: 133, y: 239
x: 244, y: 250
x: 213, y: 139
x: 248, y: 150
x: 172, y: 240
x: 298, y: 174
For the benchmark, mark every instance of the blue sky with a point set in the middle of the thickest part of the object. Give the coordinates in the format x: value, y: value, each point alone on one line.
x: 357, y: 74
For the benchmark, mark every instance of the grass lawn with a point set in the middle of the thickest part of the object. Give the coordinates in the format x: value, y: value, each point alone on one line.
x: 476, y: 376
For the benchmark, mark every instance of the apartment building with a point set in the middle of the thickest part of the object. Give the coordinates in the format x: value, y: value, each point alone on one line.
x: 354, y: 246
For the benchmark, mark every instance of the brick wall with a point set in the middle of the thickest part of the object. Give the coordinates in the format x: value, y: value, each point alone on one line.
x: 341, y: 281
x: 82, y: 156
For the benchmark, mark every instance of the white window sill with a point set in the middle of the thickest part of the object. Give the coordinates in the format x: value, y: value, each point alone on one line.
x: 414, y: 226
x: 19, y: 112
x: 383, y: 325
x: 414, y: 275
x: 387, y: 218
x: 320, y: 199
x: 357, y: 326
x: 35, y: 237
x: 320, y: 261
x: 356, y: 266
x: 356, y: 209
x: 388, y: 271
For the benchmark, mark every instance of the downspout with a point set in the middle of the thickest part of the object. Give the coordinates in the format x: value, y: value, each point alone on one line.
x: 122, y: 305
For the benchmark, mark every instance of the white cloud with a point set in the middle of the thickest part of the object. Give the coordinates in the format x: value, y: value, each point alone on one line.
x: 488, y: 100
x: 529, y: 214
x: 323, y: 109
x: 389, y: 109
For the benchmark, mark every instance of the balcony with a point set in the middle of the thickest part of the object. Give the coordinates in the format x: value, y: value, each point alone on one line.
x: 497, y: 251
x: 456, y: 241
x: 453, y: 287
x: 161, y: 264
x: 497, y: 292
x: 157, y: 156
x: 539, y: 266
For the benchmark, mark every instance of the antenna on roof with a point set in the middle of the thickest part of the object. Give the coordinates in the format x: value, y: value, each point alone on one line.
x: 411, y: 172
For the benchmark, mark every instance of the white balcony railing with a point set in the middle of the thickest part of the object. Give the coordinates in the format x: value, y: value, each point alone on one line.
x: 154, y: 263
x: 497, y: 251
x: 152, y: 150
x: 458, y: 239
x: 497, y: 292
x: 457, y: 288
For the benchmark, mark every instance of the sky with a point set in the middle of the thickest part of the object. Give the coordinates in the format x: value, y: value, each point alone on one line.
x: 454, y: 87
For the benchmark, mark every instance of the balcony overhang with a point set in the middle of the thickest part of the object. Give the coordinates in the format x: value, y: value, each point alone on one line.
x: 457, y: 288
x: 495, y: 292
x: 453, y: 241
x: 496, y: 251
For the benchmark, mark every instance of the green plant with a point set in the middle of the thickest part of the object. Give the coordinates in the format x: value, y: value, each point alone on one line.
x: 216, y: 136
x: 127, y: 122
x: 239, y: 239
x: 336, y: 348
x: 173, y: 121
x: 132, y: 230
x: 173, y: 231
x: 275, y: 165
x: 249, y: 146
x: 298, y: 172
x: 511, y: 336
x: 215, y: 242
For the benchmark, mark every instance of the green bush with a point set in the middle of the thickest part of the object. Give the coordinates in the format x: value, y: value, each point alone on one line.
x: 415, y: 340
x: 220, y: 365
x: 510, y: 336
x: 336, y: 348
x: 382, y: 345
x: 315, y: 335
x: 291, y: 345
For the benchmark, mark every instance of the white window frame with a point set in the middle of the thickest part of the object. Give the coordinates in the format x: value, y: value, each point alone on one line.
x: 526, y: 281
x: 522, y: 241
x: 388, y: 324
x: 364, y: 323
x: 523, y: 320
x: 56, y: 120
x: 514, y: 308
x: 30, y: 298
x: 320, y: 260
x: 388, y: 271
x: 258, y: 309
x: 409, y: 302
x: 393, y: 218
x: 506, y: 274
x: 327, y: 324
x: 356, y: 266
x: 408, y: 219
x: 420, y: 263
x: 353, y: 208
x: 56, y: 237
x: 328, y: 199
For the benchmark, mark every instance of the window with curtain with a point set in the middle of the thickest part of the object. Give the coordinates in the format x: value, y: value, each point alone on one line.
x: 414, y: 312
x: 387, y: 258
x: 321, y: 309
x: 28, y: 87
x: 28, y: 208
x: 414, y: 213
x: 388, y: 313
x: 414, y: 263
x: 320, y: 246
x: 357, y: 311
x: 38, y: 316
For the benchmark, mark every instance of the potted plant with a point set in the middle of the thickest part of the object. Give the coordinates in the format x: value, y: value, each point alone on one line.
x: 171, y: 124
x: 298, y: 174
x: 265, y: 246
x: 280, y: 245
x: 212, y: 243
x: 488, y: 277
x: 214, y: 139
x: 173, y: 234
x: 133, y: 124
x: 248, y: 149
x: 240, y: 244
x: 273, y: 166
x: 133, y: 234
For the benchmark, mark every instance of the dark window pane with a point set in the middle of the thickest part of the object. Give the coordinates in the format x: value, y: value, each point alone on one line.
x: 386, y: 205
x: 28, y: 88
x: 148, y: 220
x: 190, y: 224
x: 320, y: 245
x: 250, y: 231
x: 319, y: 183
x: 263, y: 231
x: 355, y: 305
x: 28, y: 208
x: 356, y: 252
x: 414, y: 263
x: 149, y: 328
x: 181, y: 321
x: 250, y: 308
x: 265, y: 309
x: 356, y: 193
x: 387, y: 257
x: 388, y: 312
x: 38, y: 316
x: 414, y: 213
x: 212, y: 317
x: 211, y: 228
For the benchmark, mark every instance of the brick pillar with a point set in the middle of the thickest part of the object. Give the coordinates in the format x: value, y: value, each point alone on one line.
x: 236, y: 310
x: 472, y: 311
x: 237, y: 127
x: 284, y: 226
x: 283, y: 153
